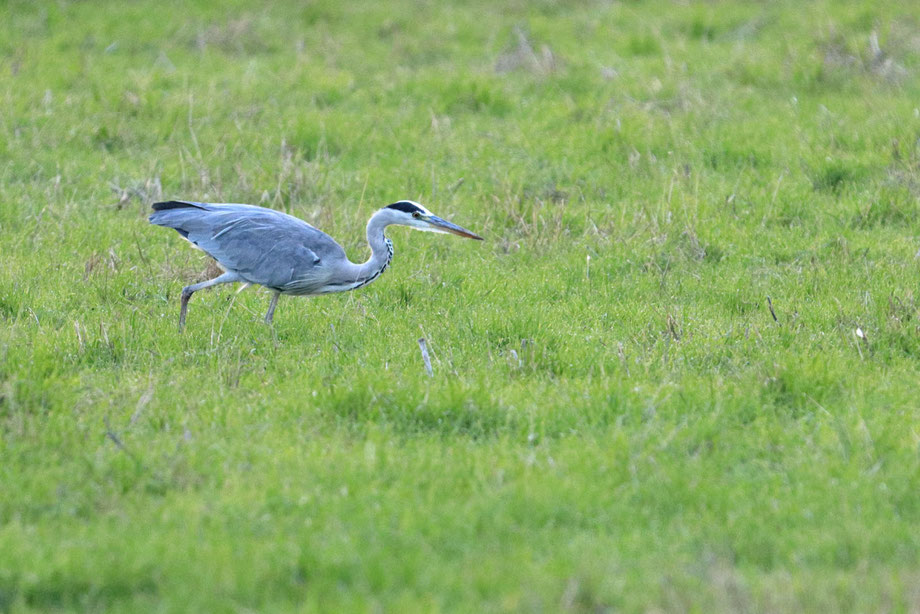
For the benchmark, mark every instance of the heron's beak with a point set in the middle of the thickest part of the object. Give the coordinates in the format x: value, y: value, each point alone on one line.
x: 444, y: 226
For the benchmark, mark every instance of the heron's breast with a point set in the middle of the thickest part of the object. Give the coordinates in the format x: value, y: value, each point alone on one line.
x: 354, y: 284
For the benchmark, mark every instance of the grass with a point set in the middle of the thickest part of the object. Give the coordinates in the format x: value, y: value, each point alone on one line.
x: 618, y: 420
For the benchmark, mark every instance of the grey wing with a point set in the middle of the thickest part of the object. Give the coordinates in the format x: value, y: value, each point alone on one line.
x: 263, y: 246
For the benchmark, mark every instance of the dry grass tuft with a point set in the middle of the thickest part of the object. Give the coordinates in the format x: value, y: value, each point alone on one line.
x: 523, y: 56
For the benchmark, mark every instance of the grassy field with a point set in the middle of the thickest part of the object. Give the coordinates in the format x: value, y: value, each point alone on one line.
x: 680, y: 375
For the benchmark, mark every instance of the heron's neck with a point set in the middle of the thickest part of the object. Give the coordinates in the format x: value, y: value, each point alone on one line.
x: 381, y: 250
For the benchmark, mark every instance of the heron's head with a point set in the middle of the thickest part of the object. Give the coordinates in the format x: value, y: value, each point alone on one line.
x: 414, y: 215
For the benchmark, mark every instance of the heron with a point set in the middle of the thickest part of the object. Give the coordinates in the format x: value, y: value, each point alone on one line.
x: 256, y: 245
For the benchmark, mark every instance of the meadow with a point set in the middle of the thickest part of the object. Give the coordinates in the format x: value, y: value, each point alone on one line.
x: 680, y: 374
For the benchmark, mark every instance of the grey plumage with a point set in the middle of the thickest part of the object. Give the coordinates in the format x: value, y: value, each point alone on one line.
x: 281, y: 252
x: 263, y: 246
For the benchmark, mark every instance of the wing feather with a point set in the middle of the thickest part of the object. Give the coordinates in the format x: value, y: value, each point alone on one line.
x: 262, y: 245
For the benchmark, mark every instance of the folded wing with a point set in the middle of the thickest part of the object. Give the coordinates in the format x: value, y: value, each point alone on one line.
x: 262, y: 245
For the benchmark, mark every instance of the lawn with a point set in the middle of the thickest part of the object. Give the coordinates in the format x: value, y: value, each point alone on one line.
x: 680, y: 375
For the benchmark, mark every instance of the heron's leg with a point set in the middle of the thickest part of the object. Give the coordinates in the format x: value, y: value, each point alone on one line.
x: 271, y: 308
x: 187, y: 292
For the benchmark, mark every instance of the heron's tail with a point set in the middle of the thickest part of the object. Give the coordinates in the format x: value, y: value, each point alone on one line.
x: 175, y: 214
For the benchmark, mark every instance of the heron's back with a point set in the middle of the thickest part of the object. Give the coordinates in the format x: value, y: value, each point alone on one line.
x: 263, y: 246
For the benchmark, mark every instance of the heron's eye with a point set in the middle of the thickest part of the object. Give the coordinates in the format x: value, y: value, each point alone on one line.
x: 416, y: 214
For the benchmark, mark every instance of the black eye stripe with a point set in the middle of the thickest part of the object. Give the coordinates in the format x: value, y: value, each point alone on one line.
x: 405, y: 207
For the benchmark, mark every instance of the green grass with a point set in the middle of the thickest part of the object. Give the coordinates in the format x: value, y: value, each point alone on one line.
x: 616, y: 422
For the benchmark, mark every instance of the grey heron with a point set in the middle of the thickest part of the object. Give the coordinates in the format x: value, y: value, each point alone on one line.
x: 263, y: 246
